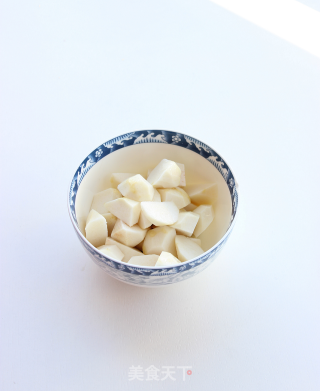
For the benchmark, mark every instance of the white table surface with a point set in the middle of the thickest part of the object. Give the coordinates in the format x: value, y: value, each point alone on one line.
x: 75, y: 74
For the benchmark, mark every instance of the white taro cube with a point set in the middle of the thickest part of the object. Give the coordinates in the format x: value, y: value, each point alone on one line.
x: 176, y: 195
x: 112, y: 251
x: 167, y: 259
x: 128, y: 252
x: 143, y: 221
x: 166, y: 174
x: 136, y: 188
x: 156, y: 196
x: 96, y: 228
x: 160, y: 213
x: 206, y: 217
x: 139, y: 246
x: 125, y: 209
x: 186, y: 223
x: 111, y: 220
x: 183, y: 174
x: 144, y: 260
x: 102, y: 197
x: 130, y: 236
x: 203, y: 193
x: 160, y: 239
x: 119, y: 177
x: 196, y: 240
x: 187, y: 249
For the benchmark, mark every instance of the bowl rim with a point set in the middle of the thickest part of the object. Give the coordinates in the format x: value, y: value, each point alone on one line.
x: 150, y: 268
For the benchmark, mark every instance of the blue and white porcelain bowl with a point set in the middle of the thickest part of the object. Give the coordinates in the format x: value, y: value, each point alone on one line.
x: 136, y: 152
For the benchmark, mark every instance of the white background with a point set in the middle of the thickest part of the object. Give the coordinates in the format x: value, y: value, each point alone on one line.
x: 75, y: 74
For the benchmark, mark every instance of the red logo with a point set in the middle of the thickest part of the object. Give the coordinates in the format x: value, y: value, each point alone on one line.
x: 189, y: 372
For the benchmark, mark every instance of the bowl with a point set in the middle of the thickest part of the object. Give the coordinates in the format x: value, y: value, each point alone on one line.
x: 136, y: 152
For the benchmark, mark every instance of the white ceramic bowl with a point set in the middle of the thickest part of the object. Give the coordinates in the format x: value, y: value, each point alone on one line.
x: 136, y: 152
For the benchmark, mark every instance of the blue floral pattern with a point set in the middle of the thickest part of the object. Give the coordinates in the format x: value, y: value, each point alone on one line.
x: 151, y: 276
x: 99, y: 152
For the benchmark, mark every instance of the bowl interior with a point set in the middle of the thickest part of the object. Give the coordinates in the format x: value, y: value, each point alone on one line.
x: 138, y: 159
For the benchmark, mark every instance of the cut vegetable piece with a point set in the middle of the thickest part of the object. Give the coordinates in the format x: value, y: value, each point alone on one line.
x: 205, y: 193
x: 130, y: 236
x: 187, y: 249
x: 144, y: 260
x: 139, y: 246
x: 186, y: 223
x: 166, y: 174
x: 112, y: 251
x: 111, y: 220
x: 102, y: 197
x: 167, y: 259
x: 96, y: 228
x: 183, y: 174
x: 127, y: 251
x: 156, y: 196
x: 137, y: 188
x: 196, y: 240
x: 176, y: 195
x: 206, y: 217
x: 143, y: 221
x: 160, y: 239
x: 191, y: 207
x: 160, y: 213
x: 117, y: 178
x: 125, y: 209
